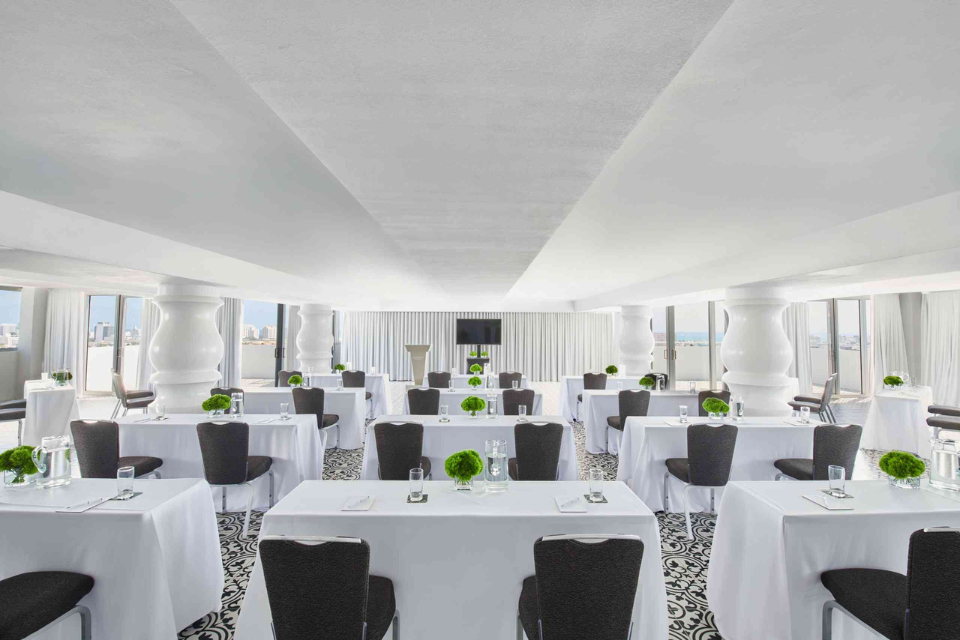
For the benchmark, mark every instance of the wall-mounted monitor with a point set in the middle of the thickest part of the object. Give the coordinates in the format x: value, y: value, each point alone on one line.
x: 470, y: 331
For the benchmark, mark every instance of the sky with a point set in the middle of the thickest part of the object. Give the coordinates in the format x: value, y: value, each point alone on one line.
x: 9, y: 307
x: 259, y: 314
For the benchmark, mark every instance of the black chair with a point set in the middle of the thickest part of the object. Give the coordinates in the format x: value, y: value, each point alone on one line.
x: 14, y: 410
x: 320, y: 588
x: 307, y: 401
x: 584, y: 588
x: 632, y: 403
x: 424, y: 402
x: 33, y: 601
x: 833, y: 444
x: 819, y: 405
x: 709, y: 458
x: 592, y: 382
x: 284, y: 376
x: 505, y: 380
x: 355, y: 380
x: 438, y: 380
x: 703, y: 395
x: 662, y: 379
x: 513, y: 398
x: 129, y: 399
x: 98, y: 451
x: 227, y: 391
x: 936, y: 409
x: 538, y: 451
x: 938, y: 422
x: 399, y: 449
x: 921, y: 605
x: 225, y: 451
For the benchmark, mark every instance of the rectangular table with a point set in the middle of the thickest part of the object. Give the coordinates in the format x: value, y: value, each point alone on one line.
x: 49, y: 410
x: 349, y: 404
x: 296, y: 446
x: 155, y: 559
x: 460, y: 381
x: 440, y: 440
x: 457, y: 562
x: 898, y: 420
x: 572, y: 386
x: 453, y: 400
x: 771, y: 545
x: 375, y: 383
x: 599, y: 405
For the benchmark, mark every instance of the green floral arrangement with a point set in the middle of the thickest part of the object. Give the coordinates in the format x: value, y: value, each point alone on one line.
x: 464, y: 465
x: 62, y: 377
x: 19, y: 460
x: 475, y: 368
x: 340, y: 367
x: 473, y: 403
x: 612, y: 370
x: 473, y: 354
x: 295, y: 380
x: 902, y: 465
x: 893, y: 381
x: 484, y: 354
x: 218, y: 402
x: 715, y: 405
x: 474, y: 382
x: 648, y: 381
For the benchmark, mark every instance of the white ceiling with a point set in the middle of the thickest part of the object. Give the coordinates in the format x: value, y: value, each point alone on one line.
x: 565, y: 154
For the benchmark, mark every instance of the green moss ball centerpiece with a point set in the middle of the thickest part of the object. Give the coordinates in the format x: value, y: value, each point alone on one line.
x: 473, y: 405
x: 476, y: 369
x: 894, y: 382
x: 215, y: 405
x: 475, y: 382
x: 612, y: 370
x: 17, y: 466
x: 295, y: 380
x: 462, y: 467
x: 648, y: 382
x: 903, y: 469
x: 716, y: 408
x: 340, y: 368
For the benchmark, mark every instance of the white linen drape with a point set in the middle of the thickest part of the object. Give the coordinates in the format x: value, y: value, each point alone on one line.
x: 544, y: 346
x: 796, y: 326
x: 940, y: 346
x: 66, y: 333
x: 150, y: 322
x: 888, y: 344
x: 230, y: 324
x: 290, y: 337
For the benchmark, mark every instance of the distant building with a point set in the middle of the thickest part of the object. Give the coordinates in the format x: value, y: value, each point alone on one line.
x: 249, y: 332
x: 134, y: 333
x: 269, y: 332
x: 8, y: 330
x: 104, y: 332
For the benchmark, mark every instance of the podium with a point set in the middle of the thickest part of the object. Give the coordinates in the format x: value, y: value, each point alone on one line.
x: 418, y: 354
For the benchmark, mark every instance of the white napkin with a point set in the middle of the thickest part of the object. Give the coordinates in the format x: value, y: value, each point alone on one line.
x: 571, y: 504
x: 358, y: 503
x: 828, y: 503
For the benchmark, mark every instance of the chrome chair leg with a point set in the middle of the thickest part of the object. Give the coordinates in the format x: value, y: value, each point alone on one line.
x: 713, y: 500
x: 827, y: 623
x: 519, y: 627
x: 396, y: 625
x: 86, y: 624
x: 780, y: 476
x: 116, y: 410
x: 686, y: 511
x: 125, y: 409
x: 270, y: 473
x: 223, y: 499
x: 20, y: 433
x: 666, y: 477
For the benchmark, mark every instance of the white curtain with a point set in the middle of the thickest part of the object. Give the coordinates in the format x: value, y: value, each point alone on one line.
x: 150, y: 322
x: 888, y: 344
x: 230, y: 324
x: 940, y: 346
x: 797, y: 327
x: 290, y: 337
x: 66, y: 333
x: 544, y: 346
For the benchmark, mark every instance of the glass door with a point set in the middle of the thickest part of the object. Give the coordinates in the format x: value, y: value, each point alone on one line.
x: 101, y: 343
x: 130, y: 350
x: 691, y: 346
x: 261, y: 344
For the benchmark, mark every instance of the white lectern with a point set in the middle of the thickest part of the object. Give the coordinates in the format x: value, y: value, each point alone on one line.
x: 418, y: 354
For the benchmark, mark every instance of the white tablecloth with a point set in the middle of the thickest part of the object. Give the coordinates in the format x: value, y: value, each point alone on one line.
x: 599, y: 405
x: 648, y: 442
x: 898, y: 420
x: 453, y: 400
x: 296, y: 446
x: 457, y: 562
x: 349, y: 404
x: 375, y: 383
x: 441, y: 439
x: 49, y: 410
x: 572, y: 386
x: 155, y: 559
x: 460, y: 381
x: 771, y: 545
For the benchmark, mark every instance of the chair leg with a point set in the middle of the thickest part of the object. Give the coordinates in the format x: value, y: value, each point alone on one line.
x: 246, y: 519
x: 782, y: 476
x: 519, y: 627
x: 713, y: 500
x: 827, y: 629
x: 396, y: 625
x: 116, y: 411
x: 86, y: 624
x: 686, y: 511
x: 125, y: 411
x: 223, y: 499
x: 270, y: 473
x: 20, y: 433
x: 666, y: 499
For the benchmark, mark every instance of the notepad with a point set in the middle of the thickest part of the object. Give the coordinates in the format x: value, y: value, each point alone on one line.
x: 830, y: 504
x: 571, y: 504
x: 358, y: 503
x: 676, y: 423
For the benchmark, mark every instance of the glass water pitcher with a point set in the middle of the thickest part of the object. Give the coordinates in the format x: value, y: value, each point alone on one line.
x: 944, y: 464
x: 52, y: 458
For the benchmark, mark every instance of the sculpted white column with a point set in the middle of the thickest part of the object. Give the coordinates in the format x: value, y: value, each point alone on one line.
x: 315, y: 338
x: 636, y: 339
x: 187, y: 347
x: 755, y: 350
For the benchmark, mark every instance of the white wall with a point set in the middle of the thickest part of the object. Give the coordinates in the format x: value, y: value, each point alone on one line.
x: 8, y: 375
x: 910, y: 305
x: 33, y: 325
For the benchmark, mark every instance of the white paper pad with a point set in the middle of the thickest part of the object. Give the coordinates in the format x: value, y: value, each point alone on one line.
x: 571, y: 504
x: 797, y: 423
x: 828, y: 503
x: 358, y: 503
x: 677, y: 423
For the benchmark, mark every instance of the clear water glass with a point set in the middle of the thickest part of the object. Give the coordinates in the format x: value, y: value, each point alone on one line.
x: 339, y: 383
x: 515, y: 384
x: 236, y: 402
x: 373, y: 370
x: 284, y: 410
x: 161, y: 411
x: 444, y: 413
x: 619, y: 386
x: 683, y: 413
x: 795, y: 414
x: 125, y: 483
x: 44, y: 375
x: 596, y: 485
x: 738, y: 409
x: 416, y: 484
x: 522, y: 413
x: 450, y: 386
x: 492, y: 406
x: 805, y: 415
x: 837, y: 476
x: 693, y: 387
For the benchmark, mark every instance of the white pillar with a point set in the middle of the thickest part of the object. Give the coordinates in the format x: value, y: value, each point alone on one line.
x: 186, y: 348
x: 315, y: 338
x: 755, y: 349
x: 636, y: 340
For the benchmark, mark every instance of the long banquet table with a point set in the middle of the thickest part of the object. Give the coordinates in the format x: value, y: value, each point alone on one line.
x: 771, y: 545
x: 457, y: 561
x: 49, y: 410
x: 375, y: 383
x: 460, y: 381
x: 453, y: 400
x: 441, y: 439
x: 601, y: 404
x: 296, y: 446
x: 155, y: 559
x: 898, y: 420
x: 572, y: 386
x: 349, y: 404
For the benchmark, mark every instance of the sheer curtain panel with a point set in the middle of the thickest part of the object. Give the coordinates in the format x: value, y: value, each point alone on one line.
x: 889, y: 346
x: 66, y: 336
x: 230, y: 324
x: 796, y: 326
x: 151, y: 322
x: 940, y: 345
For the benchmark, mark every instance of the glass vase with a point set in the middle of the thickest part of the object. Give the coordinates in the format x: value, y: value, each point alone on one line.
x: 14, y: 480
x: 905, y: 483
x: 473, y: 414
x: 463, y: 485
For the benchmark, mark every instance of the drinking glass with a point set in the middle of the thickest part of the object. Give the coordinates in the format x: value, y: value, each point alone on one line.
x: 450, y: 386
x: 837, y: 475
x: 161, y: 411
x: 416, y: 485
x: 373, y: 370
x: 683, y: 413
x: 619, y: 386
x: 237, y: 399
x: 44, y: 375
x: 515, y: 384
x: 805, y: 415
x: 284, y: 410
x: 339, y: 384
x: 522, y: 413
x: 795, y: 414
x: 596, y: 485
x: 693, y: 387
x: 444, y: 413
x: 125, y: 483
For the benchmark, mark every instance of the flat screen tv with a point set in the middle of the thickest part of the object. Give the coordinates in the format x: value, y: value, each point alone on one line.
x: 478, y: 331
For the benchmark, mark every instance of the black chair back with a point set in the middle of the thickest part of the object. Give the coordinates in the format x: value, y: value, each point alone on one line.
x: 710, y: 453
x: 703, y: 395
x: 587, y: 589
x: 594, y: 381
x: 354, y: 379
x: 284, y: 376
x: 835, y: 444
x: 513, y: 398
x: 505, y: 380
x: 663, y: 378
x: 538, y: 450
x: 227, y: 391
x: 98, y: 447
x: 829, y: 388
x: 223, y: 449
x: 424, y: 402
x: 307, y: 401
x: 438, y: 379
x: 633, y: 403
x: 399, y: 447
x: 316, y: 591
x: 933, y: 573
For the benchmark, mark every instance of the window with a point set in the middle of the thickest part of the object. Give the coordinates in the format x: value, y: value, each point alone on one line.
x: 819, y: 321
x: 719, y: 330
x: 9, y: 318
x: 659, y: 323
x: 101, y: 343
x: 840, y: 343
x: 259, y: 354
x: 132, y: 325
x: 692, y: 345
